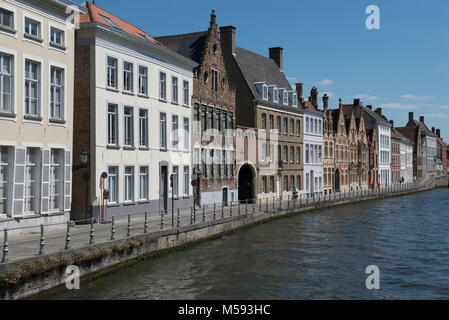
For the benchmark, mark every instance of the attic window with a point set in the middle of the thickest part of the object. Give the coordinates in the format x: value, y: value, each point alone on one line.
x: 112, y: 23
x: 275, y: 95
x: 285, y: 97
x: 143, y: 35
x: 265, y: 92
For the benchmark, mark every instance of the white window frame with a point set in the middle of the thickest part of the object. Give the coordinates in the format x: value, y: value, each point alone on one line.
x: 143, y: 80
x: 36, y: 180
x: 63, y: 91
x: 116, y: 124
x: 9, y: 180
x: 175, y: 131
x: 186, y: 171
x: 9, y: 29
x: 128, y: 84
x: 174, y: 89
x: 146, y: 189
x: 175, y: 181
x: 117, y: 186
x: 163, y: 139
x: 126, y: 187
x: 143, y: 128
x: 11, y: 80
x: 162, y: 85
x: 62, y: 45
x: 128, y: 126
x: 39, y: 23
x: 115, y: 72
x: 39, y: 86
x: 186, y: 91
x: 60, y: 194
x: 186, y: 126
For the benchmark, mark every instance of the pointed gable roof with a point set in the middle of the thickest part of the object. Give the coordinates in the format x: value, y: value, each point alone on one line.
x: 190, y: 45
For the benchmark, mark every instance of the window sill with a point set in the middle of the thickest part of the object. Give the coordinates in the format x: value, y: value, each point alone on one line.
x: 56, y: 121
x: 28, y: 36
x: 143, y: 201
x: 142, y: 95
x: 129, y: 203
x: 144, y: 148
x: 162, y: 100
x: 7, y: 115
x: 129, y: 93
x: 32, y: 117
x: 163, y: 149
x: 175, y: 103
x: 8, y: 30
x: 130, y: 148
x: 110, y: 205
x: 186, y: 105
x: 185, y: 197
x: 112, y: 146
x: 57, y: 46
x: 112, y: 89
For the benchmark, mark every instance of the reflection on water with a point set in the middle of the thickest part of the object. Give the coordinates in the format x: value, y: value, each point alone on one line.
x: 318, y: 255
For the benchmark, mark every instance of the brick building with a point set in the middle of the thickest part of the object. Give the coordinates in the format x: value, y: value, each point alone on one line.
x: 329, y: 150
x: 266, y: 101
x: 213, y: 114
x: 395, y: 156
x: 442, y: 154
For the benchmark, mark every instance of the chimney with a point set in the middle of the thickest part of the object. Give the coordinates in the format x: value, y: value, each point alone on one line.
x: 421, y: 119
x: 392, y: 122
x: 438, y: 133
x: 213, y: 20
x: 299, y: 91
x: 433, y: 130
x: 410, y: 116
x: 325, y: 101
x: 314, y: 96
x: 356, y: 102
x: 227, y: 39
x: 370, y: 107
x: 378, y: 111
x: 276, y: 56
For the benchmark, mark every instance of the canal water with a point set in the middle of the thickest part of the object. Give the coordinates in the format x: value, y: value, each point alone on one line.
x: 316, y: 255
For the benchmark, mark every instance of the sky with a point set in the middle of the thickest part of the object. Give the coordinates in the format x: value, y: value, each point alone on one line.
x: 402, y: 66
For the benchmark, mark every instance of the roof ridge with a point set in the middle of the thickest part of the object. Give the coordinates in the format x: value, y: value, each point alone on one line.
x: 181, y: 34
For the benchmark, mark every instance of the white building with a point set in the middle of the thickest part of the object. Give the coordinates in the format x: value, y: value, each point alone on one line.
x: 133, y: 117
x: 313, y: 151
x: 36, y: 111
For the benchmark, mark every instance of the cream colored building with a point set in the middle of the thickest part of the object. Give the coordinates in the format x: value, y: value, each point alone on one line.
x: 133, y: 117
x: 36, y: 109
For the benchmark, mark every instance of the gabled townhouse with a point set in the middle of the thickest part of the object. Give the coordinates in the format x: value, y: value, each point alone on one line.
x: 313, y: 144
x: 266, y: 101
x: 402, y: 162
x: 396, y: 177
x: 329, y: 148
x: 376, y: 120
x: 132, y: 118
x: 442, y: 153
x: 36, y: 110
x: 341, y: 150
x: 213, y: 114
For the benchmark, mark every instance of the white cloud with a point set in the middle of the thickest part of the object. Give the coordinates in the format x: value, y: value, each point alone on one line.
x: 291, y: 79
x: 413, y: 97
x: 325, y: 82
x: 399, y: 106
x: 436, y: 115
x: 444, y: 107
x: 363, y: 96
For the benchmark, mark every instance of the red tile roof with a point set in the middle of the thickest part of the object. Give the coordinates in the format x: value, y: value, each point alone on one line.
x: 96, y: 14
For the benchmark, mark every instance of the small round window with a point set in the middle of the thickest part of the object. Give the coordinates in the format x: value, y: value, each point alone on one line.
x: 206, y: 77
x: 223, y: 83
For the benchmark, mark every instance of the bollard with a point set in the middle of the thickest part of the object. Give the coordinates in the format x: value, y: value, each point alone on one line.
x: 162, y: 219
x: 230, y: 210
x: 215, y: 210
x: 194, y: 213
x: 145, y: 224
x: 67, y: 237
x: 238, y: 210
x: 204, y: 214
x: 178, y: 223
x: 128, y: 233
x: 5, y: 247
x: 42, y: 243
x: 222, y: 210
x: 246, y: 208
x: 191, y: 214
x: 92, y: 234
x: 113, y: 229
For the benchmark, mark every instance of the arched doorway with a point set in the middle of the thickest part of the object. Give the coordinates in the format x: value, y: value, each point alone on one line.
x: 246, y: 183
x: 337, y: 180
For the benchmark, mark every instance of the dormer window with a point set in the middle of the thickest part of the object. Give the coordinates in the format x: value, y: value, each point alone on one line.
x: 273, y: 93
x: 283, y: 96
x: 293, y: 98
x: 262, y: 88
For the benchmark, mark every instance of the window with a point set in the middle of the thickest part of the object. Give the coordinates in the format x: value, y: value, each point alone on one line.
x: 203, y: 118
x: 6, y: 83
x: 292, y: 154
x: 175, y: 132
x: 307, y: 125
x: 6, y: 18
x: 224, y: 124
x: 211, y: 163
x: 218, y: 161
x: 231, y: 120
x: 285, y: 154
x: 278, y: 124
x: 285, y: 125
x: 57, y: 37
x: 143, y: 127
x: 163, y: 130
x: 56, y: 165
x: 298, y: 154
x: 186, y: 134
x: 271, y: 122
x: 128, y: 76
x: 217, y: 119
x: 143, y: 183
x: 174, y: 90
x: 275, y: 95
x: 307, y: 154
x: 186, y: 93
x: 265, y: 92
x: 279, y: 154
x: 307, y: 181
x: 112, y: 73
x: 32, y: 28
x: 196, y: 118
x: 295, y: 100
x: 5, y: 178
x: 175, y: 181
x: 298, y: 182
x: 264, y: 184
x: 112, y: 23
x: 57, y: 93
x: 225, y: 167
x: 129, y: 184
x: 292, y: 126
x: 128, y: 124
x: 285, y: 183
x: 271, y: 184
x: 31, y: 180
x: 285, y: 98
x: 186, y: 180
x: 32, y: 88
x: 298, y: 128
x: 264, y: 121
x: 210, y: 113
x: 214, y: 80
x: 231, y: 161
x: 162, y: 86
x: 112, y: 124
x: 264, y: 152
x: 143, y: 80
